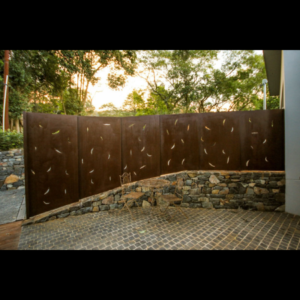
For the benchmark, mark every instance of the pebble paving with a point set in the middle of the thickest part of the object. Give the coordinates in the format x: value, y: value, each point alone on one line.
x: 205, y: 229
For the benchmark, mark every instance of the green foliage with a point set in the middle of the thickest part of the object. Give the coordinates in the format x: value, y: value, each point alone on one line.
x: 10, y: 140
x: 195, y: 85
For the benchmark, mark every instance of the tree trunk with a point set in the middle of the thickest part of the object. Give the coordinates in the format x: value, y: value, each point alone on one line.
x: 11, y: 124
x: 17, y: 126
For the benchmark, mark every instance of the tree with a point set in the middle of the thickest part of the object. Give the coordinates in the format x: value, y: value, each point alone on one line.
x: 191, y: 82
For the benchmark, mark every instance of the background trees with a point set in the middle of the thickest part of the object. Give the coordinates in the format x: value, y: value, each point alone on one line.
x: 57, y: 81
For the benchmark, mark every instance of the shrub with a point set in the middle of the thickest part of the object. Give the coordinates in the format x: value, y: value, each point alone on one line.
x: 10, y: 140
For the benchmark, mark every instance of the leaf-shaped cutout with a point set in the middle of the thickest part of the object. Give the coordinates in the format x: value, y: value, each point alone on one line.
x: 188, y: 128
x: 130, y: 152
x: 224, y: 121
x: 56, y: 132
x: 182, y: 141
x: 173, y: 146
x: 183, y: 161
x: 223, y: 152
x: 202, y: 140
x: 35, y: 148
x: 169, y: 162
x: 251, y: 147
x: 175, y: 121
x: 249, y: 120
x: 40, y: 125
x: 49, y: 169
x: 272, y: 124
x: 232, y: 129
x: 32, y: 172
x: 57, y: 151
x: 214, y: 144
x: 106, y: 124
x: 144, y: 126
x: 66, y: 172
x: 228, y: 159
x: 139, y: 139
x: 69, y: 141
x: 87, y: 129
x: 148, y: 155
x: 211, y: 165
x: 101, y: 138
x: 266, y: 159
x: 130, y: 125
x: 65, y: 191
x: 205, y: 151
x: 109, y: 178
x: 167, y: 131
x: 82, y: 161
x: 247, y: 163
x: 47, y: 192
x: 46, y: 202
x: 265, y: 141
x: 134, y: 173
x: 92, y: 171
x: 143, y: 149
x: 125, y: 167
x: 254, y: 132
x: 92, y: 150
x: 207, y: 128
x: 92, y: 182
x: 142, y: 166
x: 108, y: 156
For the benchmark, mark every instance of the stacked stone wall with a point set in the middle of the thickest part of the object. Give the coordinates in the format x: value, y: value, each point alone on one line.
x: 203, y: 189
x: 12, y: 170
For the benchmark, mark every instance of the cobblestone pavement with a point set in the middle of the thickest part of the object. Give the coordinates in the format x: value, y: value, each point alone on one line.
x: 205, y: 229
x: 10, y: 205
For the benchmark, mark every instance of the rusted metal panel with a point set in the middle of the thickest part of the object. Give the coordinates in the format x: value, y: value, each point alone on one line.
x: 99, y: 154
x: 262, y: 140
x: 179, y: 143
x: 219, y: 136
x: 51, y: 150
x: 141, y: 146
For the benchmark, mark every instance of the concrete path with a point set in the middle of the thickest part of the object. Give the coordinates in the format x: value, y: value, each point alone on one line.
x: 205, y: 229
x: 12, y: 206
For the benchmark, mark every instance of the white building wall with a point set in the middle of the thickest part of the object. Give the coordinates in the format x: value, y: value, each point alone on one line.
x: 291, y: 77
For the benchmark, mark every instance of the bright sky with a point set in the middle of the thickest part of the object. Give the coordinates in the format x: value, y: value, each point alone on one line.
x: 101, y: 93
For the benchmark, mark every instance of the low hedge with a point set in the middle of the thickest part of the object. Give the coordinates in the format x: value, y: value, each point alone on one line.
x: 10, y: 140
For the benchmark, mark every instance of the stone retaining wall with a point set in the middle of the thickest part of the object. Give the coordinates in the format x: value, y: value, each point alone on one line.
x: 257, y: 190
x: 12, y: 170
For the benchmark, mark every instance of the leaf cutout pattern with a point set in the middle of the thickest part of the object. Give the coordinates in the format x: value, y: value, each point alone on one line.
x: 41, y: 126
x: 66, y: 172
x: 130, y: 125
x: 125, y: 167
x: 224, y: 122
x: 169, y: 162
x: 57, y: 151
x: 247, y: 163
x: 92, y: 182
x: 207, y: 128
x: 149, y: 155
x: 173, y: 146
x: 188, y: 128
x: 46, y: 202
x: 223, y: 152
x: 47, y: 192
x: 211, y: 165
x: 183, y: 161
x: 265, y: 141
x: 205, y: 151
x: 32, y: 172
x: 106, y: 124
x: 143, y: 149
x: 175, y: 121
x: 142, y: 167
x: 92, y: 150
x: 266, y: 159
x: 144, y: 126
x: 182, y: 141
x: 232, y: 129
x: 49, y: 169
x: 92, y: 171
x: 167, y: 131
x: 56, y: 132
x: 228, y: 159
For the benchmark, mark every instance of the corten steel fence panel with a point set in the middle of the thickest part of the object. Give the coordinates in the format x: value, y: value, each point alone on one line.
x: 219, y: 136
x: 179, y: 143
x: 141, y: 147
x: 262, y: 140
x: 51, y: 161
x: 99, y: 154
